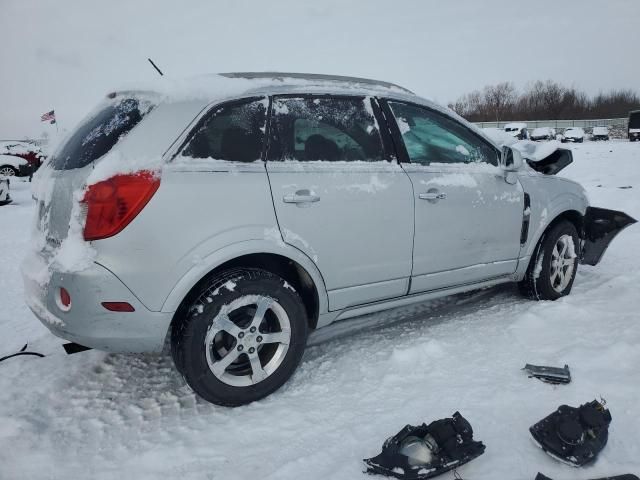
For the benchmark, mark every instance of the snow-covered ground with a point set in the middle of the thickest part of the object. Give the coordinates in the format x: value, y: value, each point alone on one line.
x: 99, y: 416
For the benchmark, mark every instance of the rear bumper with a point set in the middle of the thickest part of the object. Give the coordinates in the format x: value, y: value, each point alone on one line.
x: 87, y: 322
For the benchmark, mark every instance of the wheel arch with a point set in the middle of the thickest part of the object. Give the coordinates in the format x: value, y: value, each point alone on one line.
x: 285, y: 261
x: 573, y: 216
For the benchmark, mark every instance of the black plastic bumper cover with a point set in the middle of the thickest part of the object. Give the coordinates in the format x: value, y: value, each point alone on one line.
x: 600, y: 227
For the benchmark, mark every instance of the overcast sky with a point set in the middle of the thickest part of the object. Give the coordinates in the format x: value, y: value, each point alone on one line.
x: 67, y: 54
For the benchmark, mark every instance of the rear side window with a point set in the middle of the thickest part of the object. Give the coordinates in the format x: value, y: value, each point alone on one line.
x: 233, y: 132
x: 324, y: 129
x: 97, y: 136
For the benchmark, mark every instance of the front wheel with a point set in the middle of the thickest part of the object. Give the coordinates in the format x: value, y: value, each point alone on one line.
x: 554, y: 263
x: 8, y: 171
x: 242, y: 338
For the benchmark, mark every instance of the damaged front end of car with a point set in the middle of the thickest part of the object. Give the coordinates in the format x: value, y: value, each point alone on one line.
x: 600, y: 226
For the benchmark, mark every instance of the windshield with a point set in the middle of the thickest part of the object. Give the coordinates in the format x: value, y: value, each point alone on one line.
x: 100, y: 133
x: 634, y: 120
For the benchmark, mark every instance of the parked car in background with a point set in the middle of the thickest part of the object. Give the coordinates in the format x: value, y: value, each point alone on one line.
x: 634, y: 125
x: 30, y: 153
x: 600, y: 133
x: 543, y: 133
x: 573, y: 134
x: 12, y: 165
x: 5, y: 197
x: 517, y: 129
x: 329, y: 216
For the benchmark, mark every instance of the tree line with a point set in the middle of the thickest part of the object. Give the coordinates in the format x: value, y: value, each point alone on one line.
x: 546, y: 100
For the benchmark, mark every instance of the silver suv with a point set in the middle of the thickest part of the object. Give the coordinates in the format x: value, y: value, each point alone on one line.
x: 233, y: 218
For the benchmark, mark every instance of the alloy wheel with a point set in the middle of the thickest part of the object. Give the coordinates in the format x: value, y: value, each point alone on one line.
x: 247, y: 340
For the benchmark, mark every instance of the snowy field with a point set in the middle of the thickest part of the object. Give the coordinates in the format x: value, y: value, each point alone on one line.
x: 94, y: 415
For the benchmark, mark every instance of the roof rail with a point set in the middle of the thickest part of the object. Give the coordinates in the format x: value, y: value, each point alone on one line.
x: 313, y: 76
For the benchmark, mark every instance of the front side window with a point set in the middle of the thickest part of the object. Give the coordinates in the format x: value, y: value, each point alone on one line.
x: 431, y: 137
x: 325, y: 129
x: 232, y: 132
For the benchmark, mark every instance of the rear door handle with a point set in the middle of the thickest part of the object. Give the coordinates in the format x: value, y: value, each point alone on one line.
x: 301, y: 196
x: 433, y: 196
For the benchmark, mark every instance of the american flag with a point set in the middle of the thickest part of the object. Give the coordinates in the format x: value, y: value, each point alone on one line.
x: 48, y: 117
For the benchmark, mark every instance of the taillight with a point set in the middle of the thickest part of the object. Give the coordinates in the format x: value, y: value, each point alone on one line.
x: 112, y: 204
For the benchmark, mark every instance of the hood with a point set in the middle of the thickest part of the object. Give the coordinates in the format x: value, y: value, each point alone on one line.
x: 548, y: 157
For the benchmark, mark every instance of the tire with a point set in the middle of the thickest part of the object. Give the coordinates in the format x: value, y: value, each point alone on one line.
x: 8, y: 171
x: 217, y: 342
x: 542, y: 281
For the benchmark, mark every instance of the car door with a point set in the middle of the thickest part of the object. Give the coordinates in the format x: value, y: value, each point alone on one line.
x: 340, y: 196
x: 468, y: 219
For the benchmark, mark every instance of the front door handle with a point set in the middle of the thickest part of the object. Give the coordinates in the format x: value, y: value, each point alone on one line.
x: 301, y: 196
x: 432, y: 196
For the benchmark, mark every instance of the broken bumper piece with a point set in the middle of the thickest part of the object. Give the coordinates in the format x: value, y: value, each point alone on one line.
x: 553, y: 375
x: 600, y: 227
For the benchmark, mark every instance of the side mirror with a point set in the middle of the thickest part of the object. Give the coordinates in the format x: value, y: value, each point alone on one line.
x: 511, y: 159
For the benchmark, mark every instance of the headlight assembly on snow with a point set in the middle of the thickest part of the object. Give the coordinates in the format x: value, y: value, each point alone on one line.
x: 574, y: 435
x: 425, y: 451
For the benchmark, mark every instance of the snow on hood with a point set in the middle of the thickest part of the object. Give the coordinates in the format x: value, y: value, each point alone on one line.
x: 541, y: 131
x: 518, y: 125
x: 574, y: 132
x: 499, y: 136
x: 536, y: 151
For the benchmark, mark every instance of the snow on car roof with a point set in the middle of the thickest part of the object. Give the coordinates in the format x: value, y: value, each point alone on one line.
x: 516, y: 125
x: 224, y: 85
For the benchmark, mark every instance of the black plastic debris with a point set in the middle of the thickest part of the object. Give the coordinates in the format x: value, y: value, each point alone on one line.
x: 572, y: 435
x: 553, y: 375
x: 72, y: 348
x: 21, y: 352
x: 424, y: 451
x: 626, y: 476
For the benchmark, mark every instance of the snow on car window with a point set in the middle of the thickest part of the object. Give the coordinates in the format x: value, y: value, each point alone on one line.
x: 324, y: 128
x: 97, y: 136
x: 403, y: 125
x: 431, y: 138
x: 233, y: 132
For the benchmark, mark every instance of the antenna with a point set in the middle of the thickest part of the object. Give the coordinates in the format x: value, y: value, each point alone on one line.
x: 156, y: 67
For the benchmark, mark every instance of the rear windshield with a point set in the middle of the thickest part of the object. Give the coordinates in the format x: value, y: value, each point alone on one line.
x: 100, y: 133
x: 634, y: 120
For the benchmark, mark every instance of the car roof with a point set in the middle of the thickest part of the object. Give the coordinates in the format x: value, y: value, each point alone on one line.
x: 315, y: 77
x: 215, y: 87
x: 207, y: 89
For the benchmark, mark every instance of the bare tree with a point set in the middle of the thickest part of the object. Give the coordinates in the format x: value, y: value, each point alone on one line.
x: 543, y: 100
x: 500, y: 99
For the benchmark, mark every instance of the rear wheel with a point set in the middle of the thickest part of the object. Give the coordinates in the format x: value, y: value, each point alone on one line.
x: 554, y: 263
x: 242, y: 338
x: 8, y: 171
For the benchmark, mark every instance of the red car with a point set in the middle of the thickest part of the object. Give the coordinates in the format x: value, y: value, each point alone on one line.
x: 29, y: 158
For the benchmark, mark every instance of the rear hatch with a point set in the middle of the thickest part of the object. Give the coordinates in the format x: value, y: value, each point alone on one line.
x: 61, y: 184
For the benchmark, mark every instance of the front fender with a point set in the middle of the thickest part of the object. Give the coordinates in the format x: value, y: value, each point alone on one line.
x: 544, y: 211
x: 220, y: 256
